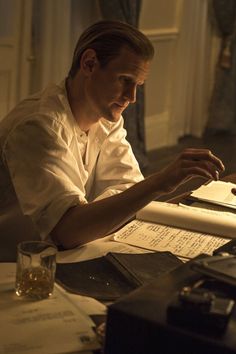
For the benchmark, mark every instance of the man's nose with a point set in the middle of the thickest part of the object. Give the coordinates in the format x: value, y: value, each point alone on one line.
x: 130, y: 93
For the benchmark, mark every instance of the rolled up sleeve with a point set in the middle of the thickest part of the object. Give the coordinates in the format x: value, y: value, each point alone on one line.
x: 43, y: 172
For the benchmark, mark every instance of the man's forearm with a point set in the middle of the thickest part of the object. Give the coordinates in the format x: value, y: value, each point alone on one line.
x: 87, y: 222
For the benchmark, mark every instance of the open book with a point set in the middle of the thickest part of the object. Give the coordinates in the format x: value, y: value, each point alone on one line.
x: 184, y: 231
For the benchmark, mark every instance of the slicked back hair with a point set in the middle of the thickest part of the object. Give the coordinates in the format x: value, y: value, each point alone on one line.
x: 107, y: 38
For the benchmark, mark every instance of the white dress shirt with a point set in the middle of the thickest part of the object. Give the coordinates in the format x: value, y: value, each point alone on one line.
x: 48, y: 164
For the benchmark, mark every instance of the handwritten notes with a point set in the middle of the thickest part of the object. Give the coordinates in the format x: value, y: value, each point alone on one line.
x: 156, y: 237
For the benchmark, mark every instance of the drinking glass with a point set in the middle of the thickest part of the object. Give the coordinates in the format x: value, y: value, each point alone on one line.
x: 35, y: 270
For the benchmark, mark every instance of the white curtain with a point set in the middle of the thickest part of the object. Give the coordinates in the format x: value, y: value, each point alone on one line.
x: 190, y: 106
x: 57, y: 24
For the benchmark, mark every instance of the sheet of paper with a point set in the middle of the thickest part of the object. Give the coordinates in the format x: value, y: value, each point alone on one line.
x: 218, y: 192
x: 190, y: 219
x: 54, y: 325
x: 86, y: 304
x: 95, y: 249
x: 158, y: 237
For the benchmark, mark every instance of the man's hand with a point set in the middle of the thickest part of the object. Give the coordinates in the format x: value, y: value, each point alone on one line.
x: 189, y: 164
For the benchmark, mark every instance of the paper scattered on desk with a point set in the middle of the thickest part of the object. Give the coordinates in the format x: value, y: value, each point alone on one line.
x: 216, y: 192
x: 157, y: 237
x: 51, y: 326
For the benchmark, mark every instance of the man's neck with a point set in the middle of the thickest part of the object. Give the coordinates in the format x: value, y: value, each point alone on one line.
x: 78, y: 104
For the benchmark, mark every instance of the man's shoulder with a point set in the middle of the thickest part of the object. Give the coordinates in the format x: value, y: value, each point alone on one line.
x: 52, y: 101
x: 47, y: 108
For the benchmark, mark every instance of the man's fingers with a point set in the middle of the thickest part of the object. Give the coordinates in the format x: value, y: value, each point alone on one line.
x: 205, y: 166
x: 192, y: 163
x: 201, y: 155
x: 196, y: 171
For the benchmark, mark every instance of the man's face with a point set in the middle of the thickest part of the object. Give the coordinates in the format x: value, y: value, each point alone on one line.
x: 112, y: 88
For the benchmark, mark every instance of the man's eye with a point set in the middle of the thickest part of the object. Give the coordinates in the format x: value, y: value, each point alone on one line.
x: 126, y: 80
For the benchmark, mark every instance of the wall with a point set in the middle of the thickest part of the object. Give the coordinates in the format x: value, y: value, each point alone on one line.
x: 160, y: 22
x: 178, y: 89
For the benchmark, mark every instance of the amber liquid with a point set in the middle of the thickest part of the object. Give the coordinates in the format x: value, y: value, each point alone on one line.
x: 35, y: 282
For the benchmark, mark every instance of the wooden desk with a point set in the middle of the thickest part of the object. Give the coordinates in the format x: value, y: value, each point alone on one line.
x: 141, y: 302
x: 138, y: 324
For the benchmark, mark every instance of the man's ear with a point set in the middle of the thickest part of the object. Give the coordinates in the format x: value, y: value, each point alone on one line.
x: 88, y: 61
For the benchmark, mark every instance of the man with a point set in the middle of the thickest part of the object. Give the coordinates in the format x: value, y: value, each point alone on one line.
x: 66, y: 164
